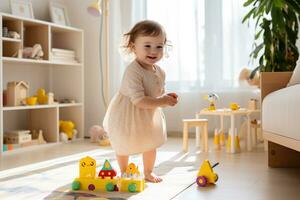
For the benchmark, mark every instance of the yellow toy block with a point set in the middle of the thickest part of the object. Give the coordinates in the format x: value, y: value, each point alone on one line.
x: 206, y: 174
x: 87, y: 167
x: 106, y: 180
x: 132, y: 185
x: 95, y: 184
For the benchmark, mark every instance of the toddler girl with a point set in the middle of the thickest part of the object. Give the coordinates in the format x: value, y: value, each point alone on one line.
x: 134, y: 119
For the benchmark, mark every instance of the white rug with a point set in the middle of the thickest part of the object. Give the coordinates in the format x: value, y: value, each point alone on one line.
x: 52, y: 179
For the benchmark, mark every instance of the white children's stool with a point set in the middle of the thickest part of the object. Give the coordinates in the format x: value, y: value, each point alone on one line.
x: 195, y: 123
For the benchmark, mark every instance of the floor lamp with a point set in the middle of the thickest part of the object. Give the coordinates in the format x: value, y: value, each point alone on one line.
x: 98, y: 8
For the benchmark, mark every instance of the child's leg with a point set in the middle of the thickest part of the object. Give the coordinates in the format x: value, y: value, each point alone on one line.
x: 149, y: 160
x: 123, y: 163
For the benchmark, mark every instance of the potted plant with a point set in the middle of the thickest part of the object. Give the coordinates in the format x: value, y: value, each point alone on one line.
x: 276, y: 31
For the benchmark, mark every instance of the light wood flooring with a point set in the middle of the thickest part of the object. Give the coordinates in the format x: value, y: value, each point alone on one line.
x: 245, y: 175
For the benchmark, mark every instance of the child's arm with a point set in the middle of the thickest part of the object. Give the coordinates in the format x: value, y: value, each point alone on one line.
x: 152, y: 103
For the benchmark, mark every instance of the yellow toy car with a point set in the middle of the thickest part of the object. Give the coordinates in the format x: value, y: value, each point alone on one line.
x: 206, y: 174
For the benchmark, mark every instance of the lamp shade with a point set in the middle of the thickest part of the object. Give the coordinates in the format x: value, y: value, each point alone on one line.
x: 94, y: 8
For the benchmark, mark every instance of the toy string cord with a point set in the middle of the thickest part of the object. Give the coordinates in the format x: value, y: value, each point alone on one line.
x: 216, y: 164
x: 101, y: 62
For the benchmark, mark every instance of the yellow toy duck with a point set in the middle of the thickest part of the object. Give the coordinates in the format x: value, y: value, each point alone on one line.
x: 42, y: 98
x: 132, y: 170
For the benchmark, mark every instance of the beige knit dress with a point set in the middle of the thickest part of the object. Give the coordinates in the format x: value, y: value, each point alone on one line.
x: 131, y: 129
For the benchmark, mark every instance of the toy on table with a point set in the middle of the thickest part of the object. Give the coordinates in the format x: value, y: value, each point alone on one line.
x: 98, y: 134
x: 206, y: 174
x: 67, y: 130
x: 211, y: 97
x: 106, y: 179
x: 234, y: 106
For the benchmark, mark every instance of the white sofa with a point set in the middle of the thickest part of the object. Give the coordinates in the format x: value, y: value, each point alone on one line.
x: 281, y: 119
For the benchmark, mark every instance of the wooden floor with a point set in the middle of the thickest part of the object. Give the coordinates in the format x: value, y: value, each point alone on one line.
x: 245, y: 175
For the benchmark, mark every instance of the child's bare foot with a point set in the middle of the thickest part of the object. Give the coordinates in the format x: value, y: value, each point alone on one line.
x: 151, y: 177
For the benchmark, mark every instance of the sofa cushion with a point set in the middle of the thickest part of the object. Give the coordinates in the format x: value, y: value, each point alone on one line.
x: 281, y: 112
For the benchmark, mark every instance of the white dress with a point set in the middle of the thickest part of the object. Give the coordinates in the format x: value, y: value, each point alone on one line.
x: 131, y: 129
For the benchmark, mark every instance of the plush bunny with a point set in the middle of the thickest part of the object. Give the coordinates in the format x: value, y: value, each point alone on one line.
x: 98, y: 134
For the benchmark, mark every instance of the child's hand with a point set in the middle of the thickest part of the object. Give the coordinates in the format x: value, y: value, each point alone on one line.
x: 173, y: 94
x: 169, y: 100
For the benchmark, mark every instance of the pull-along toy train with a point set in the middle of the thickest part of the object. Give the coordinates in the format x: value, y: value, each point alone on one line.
x: 106, y: 180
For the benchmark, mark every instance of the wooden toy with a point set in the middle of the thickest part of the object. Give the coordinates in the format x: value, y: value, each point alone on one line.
x: 132, y: 185
x: 252, y: 104
x: 132, y: 170
x: 17, y: 137
x: 50, y: 98
x: 206, y: 174
x: 211, y: 97
x: 107, y: 171
x: 106, y: 179
x: 16, y: 92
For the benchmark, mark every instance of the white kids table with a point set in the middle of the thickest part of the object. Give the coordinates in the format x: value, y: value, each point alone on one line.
x: 231, y: 114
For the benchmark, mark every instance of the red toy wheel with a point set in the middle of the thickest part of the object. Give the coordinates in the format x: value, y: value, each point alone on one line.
x: 201, y: 181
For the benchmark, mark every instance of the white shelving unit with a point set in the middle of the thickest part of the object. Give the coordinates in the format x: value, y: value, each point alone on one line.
x: 64, y: 79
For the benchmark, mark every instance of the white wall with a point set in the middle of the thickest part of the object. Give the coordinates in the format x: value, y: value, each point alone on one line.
x: 40, y: 8
x: 79, y: 17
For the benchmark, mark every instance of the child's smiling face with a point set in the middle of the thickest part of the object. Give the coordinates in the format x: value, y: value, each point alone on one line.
x: 149, y: 50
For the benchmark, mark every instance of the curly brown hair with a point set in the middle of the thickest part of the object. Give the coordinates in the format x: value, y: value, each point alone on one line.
x: 143, y: 28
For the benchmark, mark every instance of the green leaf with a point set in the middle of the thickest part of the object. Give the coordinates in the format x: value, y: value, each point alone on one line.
x: 257, y: 35
x: 278, y: 3
x: 253, y: 72
x: 247, y: 3
x: 247, y: 16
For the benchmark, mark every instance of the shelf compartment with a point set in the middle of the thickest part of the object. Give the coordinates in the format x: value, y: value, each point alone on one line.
x: 62, y: 38
x: 37, y: 34
x: 38, y: 119
x: 10, y: 48
x: 75, y: 115
x: 12, y: 24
